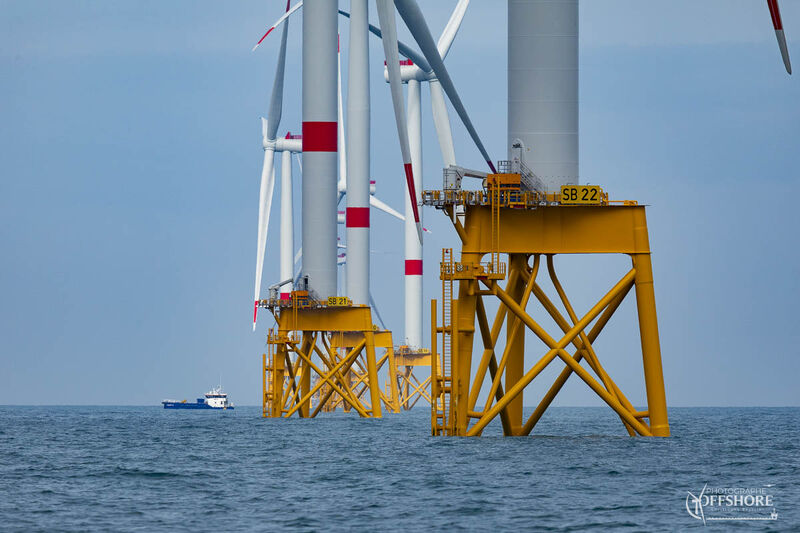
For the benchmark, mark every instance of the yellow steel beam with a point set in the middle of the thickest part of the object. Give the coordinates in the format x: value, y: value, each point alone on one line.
x: 559, y: 230
x: 372, y: 371
x: 330, y: 391
x: 300, y: 377
x: 651, y: 350
x: 489, y: 341
x: 555, y: 347
x: 326, y: 377
x: 348, y: 339
x: 309, y: 341
x: 456, y: 224
x: 424, y: 383
x: 394, y: 393
x: 513, y: 349
x: 409, y: 360
x: 417, y: 389
x: 293, y: 369
x: 362, y: 377
x: 604, y: 394
x: 264, y: 385
x: 565, y: 326
x: 515, y: 336
x: 277, y: 379
x: 331, y: 364
x: 580, y: 353
x: 591, y: 356
x: 434, y: 370
x: 326, y: 319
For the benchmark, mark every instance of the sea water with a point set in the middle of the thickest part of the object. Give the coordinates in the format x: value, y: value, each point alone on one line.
x: 149, y: 469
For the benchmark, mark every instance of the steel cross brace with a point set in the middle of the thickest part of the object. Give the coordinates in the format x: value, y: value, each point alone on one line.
x: 557, y: 350
x: 327, y: 377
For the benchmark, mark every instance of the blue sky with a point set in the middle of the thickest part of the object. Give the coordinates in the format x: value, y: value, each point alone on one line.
x: 130, y: 157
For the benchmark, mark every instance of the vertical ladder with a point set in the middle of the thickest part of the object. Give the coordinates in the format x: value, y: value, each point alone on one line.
x: 444, y: 415
x: 495, y: 200
x: 268, y: 361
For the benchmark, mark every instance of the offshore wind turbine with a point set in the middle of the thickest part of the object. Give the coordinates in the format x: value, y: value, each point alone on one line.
x: 293, y: 144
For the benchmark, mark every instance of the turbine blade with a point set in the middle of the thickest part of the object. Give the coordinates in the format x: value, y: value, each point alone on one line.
x: 387, y: 22
x: 412, y: 16
x: 405, y: 50
x: 441, y: 120
x: 450, y: 31
x: 342, y: 185
x: 276, y: 100
x: 279, y: 22
x: 377, y: 204
x: 777, y: 23
x: 264, y: 207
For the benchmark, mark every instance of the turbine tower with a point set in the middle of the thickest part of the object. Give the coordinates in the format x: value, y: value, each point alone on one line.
x: 358, y: 131
x: 320, y: 42
x: 543, y: 87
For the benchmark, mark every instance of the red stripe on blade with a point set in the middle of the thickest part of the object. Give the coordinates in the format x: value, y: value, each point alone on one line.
x: 413, y: 267
x: 319, y: 136
x: 357, y: 217
x: 286, y: 296
x: 265, y: 35
x: 412, y: 191
x: 255, y: 311
x: 775, y: 13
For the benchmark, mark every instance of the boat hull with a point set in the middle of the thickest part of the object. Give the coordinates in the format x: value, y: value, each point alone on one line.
x: 187, y: 405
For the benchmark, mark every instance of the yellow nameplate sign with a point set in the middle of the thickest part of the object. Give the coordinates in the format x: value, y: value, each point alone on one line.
x: 581, y: 195
x: 338, y: 301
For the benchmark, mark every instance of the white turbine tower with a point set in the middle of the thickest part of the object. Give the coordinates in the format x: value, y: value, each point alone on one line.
x: 320, y: 132
x: 543, y: 88
x: 357, y: 184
